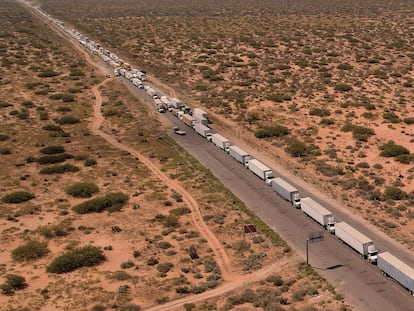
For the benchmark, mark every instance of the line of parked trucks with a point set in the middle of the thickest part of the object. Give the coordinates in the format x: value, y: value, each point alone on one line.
x: 198, y: 121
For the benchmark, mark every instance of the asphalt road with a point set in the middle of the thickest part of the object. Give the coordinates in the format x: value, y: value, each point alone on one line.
x: 360, y: 283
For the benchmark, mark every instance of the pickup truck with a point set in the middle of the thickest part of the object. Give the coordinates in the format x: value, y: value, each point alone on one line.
x: 177, y: 131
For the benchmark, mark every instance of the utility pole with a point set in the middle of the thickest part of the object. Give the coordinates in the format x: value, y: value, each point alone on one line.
x: 313, y: 237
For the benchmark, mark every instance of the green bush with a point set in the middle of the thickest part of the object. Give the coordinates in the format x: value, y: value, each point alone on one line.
x: 297, y: 148
x: 18, y: 197
x: 279, y: 97
x: 327, y: 121
x: 409, y: 120
x: 67, y: 120
x: 391, y: 117
x: 359, y: 133
x: 164, y: 267
x: 47, y: 73
x: 394, y: 193
x: 130, y: 307
x: 390, y: 149
x: 90, y: 162
x: 59, y: 169
x: 52, y: 159
x: 82, y: 190
x: 4, y: 137
x: 30, y: 251
x: 110, y: 202
x: 52, y: 127
x: 405, y: 158
x: 320, y: 112
x: 274, y: 131
x: 342, y: 87
x: 86, y: 256
x: 5, y: 151
x: 13, y: 282
x: 52, y: 150
x: 68, y: 98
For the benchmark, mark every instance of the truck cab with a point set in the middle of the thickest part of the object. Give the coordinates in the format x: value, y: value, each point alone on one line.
x: 331, y: 225
x: 268, y: 178
x: 296, y: 200
x: 372, y: 254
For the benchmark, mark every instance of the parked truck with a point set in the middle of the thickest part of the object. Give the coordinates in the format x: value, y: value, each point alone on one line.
x: 188, y: 120
x: 286, y: 191
x: 203, y: 130
x: 359, y: 242
x: 319, y: 213
x: 176, y: 103
x: 240, y: 155
x: 261, y: 170
x: 221, y: 142
x: 166, y: 101
x: 201, y: 116
x: 398, y: 270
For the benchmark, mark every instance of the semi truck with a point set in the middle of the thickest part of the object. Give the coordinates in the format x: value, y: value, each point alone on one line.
x: 240, y: 155
x: 318, y: 213
x: 221, y: 142
x: 398, y: 270
x: 286, y: 191
x: 166, y: 102
x: 261, y: 170
x: 201, y: 116
x: 176, y: 103
x: 188, y: 120
x: 355, y: 239
x: 203, y: 130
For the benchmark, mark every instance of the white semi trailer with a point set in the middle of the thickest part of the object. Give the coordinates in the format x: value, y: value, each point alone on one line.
x: 221, y: 142
x: 319, y: 213
x: 358, y: 241
x: 203, y: 130
x: 261, y: 170
x: 398, y: 270
x: 286, y: 191
x: 240, y: 155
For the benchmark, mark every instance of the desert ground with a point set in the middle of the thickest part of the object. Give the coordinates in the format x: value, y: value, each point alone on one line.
x: 99, y: 211
x: 324, y: 88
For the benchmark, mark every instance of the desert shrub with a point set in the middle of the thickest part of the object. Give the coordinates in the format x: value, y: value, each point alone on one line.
x: 342, y: 87
x: 405, y: 158
x: 30, y: 251
x: 297, y: 148
x: 247, y: 296
x: 82, y: 190
x: 86, y: 256
x: 164, y: 245
x: 4, y: 137
x: 164, y: 267
x: 182, y: 290
x: 275, y: 280
x: 240, y: 245
x: 359, y: 133
x: 390, y: 149
x: 320, y: 112
x: 98, y: 307
x: 56, y: 96
x: 67, y: 120
x: 394, y: 193
x: 130, y: 307
x: 47, y: 73
x: 64, y: 109
x: 391, y: 117
x: 59, y: 169
x: 90, y: 162
x: 52, y: 159
x: 5, y: 105
x: 17, y: 197
x: 192, y: 252
x: 67, y: 98
x: 5, y: 151
x: 274, y: 131
x: 209, y: 265
x: 51, y: 231
x: 13, y: 282
x: 52, y: 127
x: 110, y: 202
x: 278, y: 98
x: 127, y: 264
x: 121, y: 275
x: 362, y: 165
x: 52, y: 150
x: 327, y: 121
x: 152, y: 261
x: 409, y: 120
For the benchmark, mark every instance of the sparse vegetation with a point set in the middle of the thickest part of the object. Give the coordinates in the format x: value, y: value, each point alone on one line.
x: 86, y: 256
x: 17, y: 197
x: 111, y: 202
x: 30, y: 251
x: 82, y: 190
x: 13, y: 282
